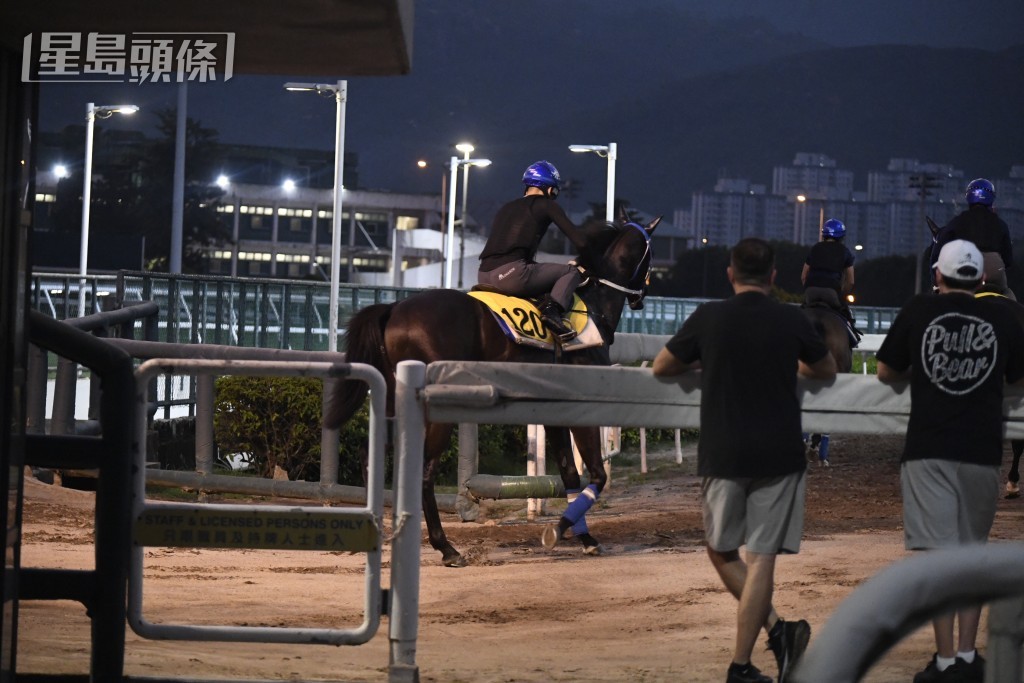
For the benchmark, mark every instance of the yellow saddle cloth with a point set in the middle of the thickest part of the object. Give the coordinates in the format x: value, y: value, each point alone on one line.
x: 520, y: 320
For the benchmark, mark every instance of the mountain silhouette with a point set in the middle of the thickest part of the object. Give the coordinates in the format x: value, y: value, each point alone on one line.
x: 686, y: 103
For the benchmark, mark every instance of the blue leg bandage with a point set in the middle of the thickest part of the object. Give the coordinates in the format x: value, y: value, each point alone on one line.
x: 823, y: 448
x: 578, y: 507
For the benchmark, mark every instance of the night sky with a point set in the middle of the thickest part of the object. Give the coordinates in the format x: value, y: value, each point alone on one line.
x: 537, y: 63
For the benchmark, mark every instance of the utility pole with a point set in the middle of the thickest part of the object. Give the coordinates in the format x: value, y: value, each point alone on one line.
x: 924, y: 184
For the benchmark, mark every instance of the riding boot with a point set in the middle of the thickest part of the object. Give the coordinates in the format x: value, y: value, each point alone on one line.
x: 553, y: 316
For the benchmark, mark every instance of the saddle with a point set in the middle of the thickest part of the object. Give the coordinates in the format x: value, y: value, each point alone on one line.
x: 519, y: 318
x: 852, y: 332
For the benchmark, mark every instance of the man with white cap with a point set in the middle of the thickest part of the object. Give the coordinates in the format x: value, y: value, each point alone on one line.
x: 956, y: 350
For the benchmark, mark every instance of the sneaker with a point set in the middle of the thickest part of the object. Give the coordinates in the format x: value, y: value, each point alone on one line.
x: 973, y: 672
x: 954, y: 673
x: 746, y: 674
x: 787, y: 641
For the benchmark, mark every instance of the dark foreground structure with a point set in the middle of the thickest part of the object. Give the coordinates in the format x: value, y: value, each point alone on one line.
x: 332, y: 39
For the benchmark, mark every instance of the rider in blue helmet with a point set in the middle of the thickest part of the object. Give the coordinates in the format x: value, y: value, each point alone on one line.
x: 507, y: 262
x: 980, y: 191
x: 827, y: 274
x: 980, y: 224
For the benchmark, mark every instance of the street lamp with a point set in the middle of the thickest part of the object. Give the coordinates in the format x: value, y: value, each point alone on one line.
x: 422, y: 163
x: 465, y: 148
x: 798, y: 222
x: 455, y: 164
x: 611, y: 152
x: 92, y: 112
x: 340, y: 94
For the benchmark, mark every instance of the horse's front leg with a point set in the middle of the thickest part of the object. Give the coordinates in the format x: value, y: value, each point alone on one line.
x: 580, y: 500
x: 438, y: 436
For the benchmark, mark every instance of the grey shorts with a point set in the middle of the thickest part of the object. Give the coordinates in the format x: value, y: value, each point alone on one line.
x: 947, y: 503
x: 766, y: 515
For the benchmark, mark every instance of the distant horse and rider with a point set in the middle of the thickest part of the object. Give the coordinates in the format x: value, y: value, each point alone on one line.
x: 445, y: 324
x: 827, y: 277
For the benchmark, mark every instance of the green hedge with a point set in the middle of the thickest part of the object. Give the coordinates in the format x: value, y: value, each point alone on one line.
x: 276, y: 421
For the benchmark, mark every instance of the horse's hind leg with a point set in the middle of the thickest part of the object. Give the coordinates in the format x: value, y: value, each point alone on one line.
x: 438, y: 438
x: 1013, y: 478
x: 588, y: 440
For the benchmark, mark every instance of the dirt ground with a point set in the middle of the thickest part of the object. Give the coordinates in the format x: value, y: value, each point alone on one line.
x: 650, y: 609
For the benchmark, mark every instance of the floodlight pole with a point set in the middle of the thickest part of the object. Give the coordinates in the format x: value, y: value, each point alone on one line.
x: 340, y: 93
x: 611, y: 152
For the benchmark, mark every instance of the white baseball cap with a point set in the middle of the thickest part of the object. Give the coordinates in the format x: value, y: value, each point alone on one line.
x: 960, y: 260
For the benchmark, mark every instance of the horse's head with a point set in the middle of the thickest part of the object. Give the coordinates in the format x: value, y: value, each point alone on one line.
x: 619, y: 256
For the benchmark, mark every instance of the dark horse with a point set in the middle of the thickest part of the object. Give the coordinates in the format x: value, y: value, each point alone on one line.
x: 445, y: 324
x: 833, y: 330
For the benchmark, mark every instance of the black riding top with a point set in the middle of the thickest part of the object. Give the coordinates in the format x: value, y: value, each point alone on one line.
x: 748, y: 347
x: 827, y: 261
x: 959, y: 350
x: 519, y: 227
x: 981, y: 225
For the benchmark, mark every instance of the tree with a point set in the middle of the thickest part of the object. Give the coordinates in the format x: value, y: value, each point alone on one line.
x: 132, y: 194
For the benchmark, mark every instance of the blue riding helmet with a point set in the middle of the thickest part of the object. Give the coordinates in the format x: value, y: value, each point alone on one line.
x: 833, y: 228
x: 542, y: 174
x: 981, y: 191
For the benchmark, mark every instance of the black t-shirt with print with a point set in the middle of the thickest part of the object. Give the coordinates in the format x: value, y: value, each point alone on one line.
x: 748, y: 347
x: 960, y: 351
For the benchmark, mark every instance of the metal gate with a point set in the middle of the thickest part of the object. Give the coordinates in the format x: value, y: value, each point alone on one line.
x: 349, y: 529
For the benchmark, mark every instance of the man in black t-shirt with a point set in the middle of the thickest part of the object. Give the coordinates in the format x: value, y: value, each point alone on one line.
x: 507, y: 261
x: 957, y: 351
x: 749, y: 350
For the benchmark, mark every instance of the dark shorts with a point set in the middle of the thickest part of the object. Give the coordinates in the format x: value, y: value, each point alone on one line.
x: 766, y: 515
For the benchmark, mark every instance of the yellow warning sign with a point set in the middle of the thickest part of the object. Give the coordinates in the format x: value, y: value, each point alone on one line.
x: 186, y: 526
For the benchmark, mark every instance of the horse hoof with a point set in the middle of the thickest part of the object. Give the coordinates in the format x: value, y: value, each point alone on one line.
x: 455, y: 560
x: 593, y: 550
x: 1012, y: 488
x: 549, y: 537
x: 824, y: 463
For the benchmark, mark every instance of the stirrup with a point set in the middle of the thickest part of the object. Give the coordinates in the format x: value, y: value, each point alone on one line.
x: 551, y: 314
x: 558, y: 328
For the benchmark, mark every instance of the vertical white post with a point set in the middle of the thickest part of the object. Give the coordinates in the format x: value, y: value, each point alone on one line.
x: 531, y: 467
x: 609, y: 211
x: 405, y: 547
x: 341, y: 97
x: 462, y: 223
x: 451, y: 224
x: 83, y: 258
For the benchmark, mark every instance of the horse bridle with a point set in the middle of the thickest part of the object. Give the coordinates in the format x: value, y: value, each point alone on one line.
x: 634, y: 294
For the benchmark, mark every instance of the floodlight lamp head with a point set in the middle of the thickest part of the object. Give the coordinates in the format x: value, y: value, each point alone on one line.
x: 601, y: 150
x: 465, y: 147
x: 108, y: 110
x: 325, y: 89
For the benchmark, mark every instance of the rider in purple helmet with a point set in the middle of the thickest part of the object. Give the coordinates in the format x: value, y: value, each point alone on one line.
x: 507, y: 262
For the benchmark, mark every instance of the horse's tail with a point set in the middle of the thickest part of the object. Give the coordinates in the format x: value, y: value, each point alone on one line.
x: 364, y: 343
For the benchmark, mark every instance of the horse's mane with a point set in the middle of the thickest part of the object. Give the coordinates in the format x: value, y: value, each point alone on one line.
x: 599, y: 235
